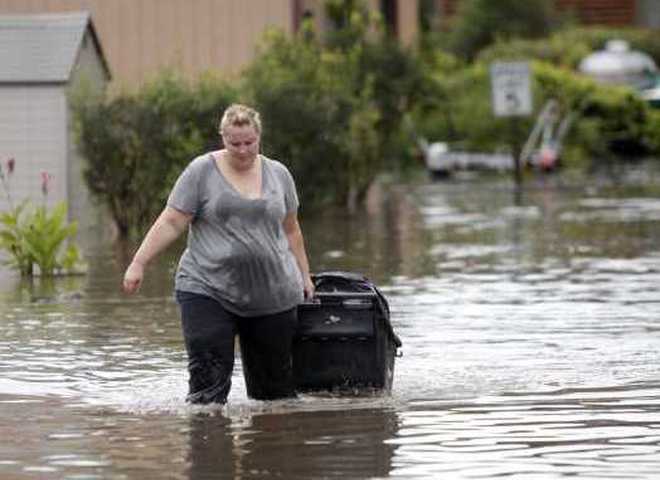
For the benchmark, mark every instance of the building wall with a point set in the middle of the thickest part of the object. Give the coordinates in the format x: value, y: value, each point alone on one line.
x: 407, y: 21
x: 88, y: 70
x: 591, y: 12
x: 33, y: 131
x: 87, y: 78
x: 36, y: 129
x: 140, y: 37
x: 601, y: 12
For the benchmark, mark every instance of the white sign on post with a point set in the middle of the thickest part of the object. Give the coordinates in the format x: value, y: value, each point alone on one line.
x: 511, y: 91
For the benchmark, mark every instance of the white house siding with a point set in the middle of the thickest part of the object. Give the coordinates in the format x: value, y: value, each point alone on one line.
x: 33, y: 131
x: 88, y: 75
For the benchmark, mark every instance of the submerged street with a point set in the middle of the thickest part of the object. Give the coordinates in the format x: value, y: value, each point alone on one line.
x: 530, y: 350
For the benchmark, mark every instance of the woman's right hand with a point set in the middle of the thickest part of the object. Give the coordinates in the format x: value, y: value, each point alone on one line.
x: 133, y: 277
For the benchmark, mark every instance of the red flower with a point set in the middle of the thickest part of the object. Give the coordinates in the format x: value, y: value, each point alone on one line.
x: 45, y: 181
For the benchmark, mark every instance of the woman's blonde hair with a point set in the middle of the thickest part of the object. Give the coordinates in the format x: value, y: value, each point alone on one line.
x: 238, y: 115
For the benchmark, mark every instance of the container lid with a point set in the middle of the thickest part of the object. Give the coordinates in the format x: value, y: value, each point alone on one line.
x: 618, y: 64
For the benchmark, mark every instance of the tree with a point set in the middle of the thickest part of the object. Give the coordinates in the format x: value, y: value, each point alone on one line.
x: 137, y: 144
x: 333, y: 108
x: 478, y: 23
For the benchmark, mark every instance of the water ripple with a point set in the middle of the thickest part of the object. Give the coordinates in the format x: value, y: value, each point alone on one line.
x: 589, y: 433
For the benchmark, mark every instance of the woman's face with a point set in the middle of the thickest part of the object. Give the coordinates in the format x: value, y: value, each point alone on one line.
x: 241, y: 142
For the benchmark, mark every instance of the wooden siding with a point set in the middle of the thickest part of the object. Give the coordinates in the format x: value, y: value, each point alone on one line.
x: 448, y: 7
x: 599, y: 12
x: 141, y: 37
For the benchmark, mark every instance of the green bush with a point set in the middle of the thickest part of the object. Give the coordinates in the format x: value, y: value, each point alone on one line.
x: 303, y: 112
x: 478, y: 23
x: 608, y: 119
x: 333, y: 112
x: 136, y: 144
x: 34, y: 236
x: 397, y: 82
x: 461, y: 112
x: 652, y: 133
x: 620, y: 114
x: 567, y: 47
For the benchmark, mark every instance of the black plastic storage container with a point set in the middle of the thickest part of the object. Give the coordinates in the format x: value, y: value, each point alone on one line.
x: 345, y: 339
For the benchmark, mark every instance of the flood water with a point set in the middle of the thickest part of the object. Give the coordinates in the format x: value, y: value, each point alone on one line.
x: 531, y: 350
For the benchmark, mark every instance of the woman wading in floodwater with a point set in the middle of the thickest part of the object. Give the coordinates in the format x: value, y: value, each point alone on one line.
x: 245, y: 268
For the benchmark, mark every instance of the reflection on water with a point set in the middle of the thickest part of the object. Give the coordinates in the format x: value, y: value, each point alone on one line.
x: 293, y: 444
x: 607, y: 432
x: 530, y: 336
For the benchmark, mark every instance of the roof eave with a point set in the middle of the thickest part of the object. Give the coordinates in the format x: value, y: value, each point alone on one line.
x: 30, y: 83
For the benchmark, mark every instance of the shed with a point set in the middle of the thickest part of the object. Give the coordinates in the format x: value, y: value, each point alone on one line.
x: 44, y: 60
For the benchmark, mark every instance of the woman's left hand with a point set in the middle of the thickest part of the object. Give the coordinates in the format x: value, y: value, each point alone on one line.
x: 308, y: 288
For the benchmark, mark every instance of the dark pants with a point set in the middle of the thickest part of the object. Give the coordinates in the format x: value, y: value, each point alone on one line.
x: 265, y: 342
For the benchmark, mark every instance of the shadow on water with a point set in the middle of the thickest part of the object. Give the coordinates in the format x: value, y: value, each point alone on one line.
x: 339, y: 443
x: 530, y: 350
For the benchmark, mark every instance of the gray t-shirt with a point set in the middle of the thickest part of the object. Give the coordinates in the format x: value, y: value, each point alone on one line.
x: 238, y: 252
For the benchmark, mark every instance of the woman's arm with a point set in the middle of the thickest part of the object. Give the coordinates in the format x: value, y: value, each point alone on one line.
x: 297, y: 244
x: 168, y: 226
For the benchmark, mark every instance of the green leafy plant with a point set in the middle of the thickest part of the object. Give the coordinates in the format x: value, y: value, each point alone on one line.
x: 35, y: 236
